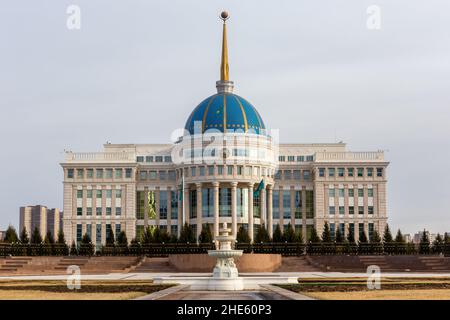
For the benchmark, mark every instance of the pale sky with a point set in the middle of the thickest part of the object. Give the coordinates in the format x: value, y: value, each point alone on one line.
x: 136, y: 69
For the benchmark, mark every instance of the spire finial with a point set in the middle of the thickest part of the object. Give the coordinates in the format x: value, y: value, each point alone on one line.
x: 224, y: 69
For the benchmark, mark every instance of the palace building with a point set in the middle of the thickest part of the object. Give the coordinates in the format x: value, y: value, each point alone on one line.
x: 227, y: 166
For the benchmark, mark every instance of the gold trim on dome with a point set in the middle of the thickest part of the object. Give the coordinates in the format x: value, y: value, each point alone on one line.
x: 205, y: 113
x: 224, y: 113
x: 243, y: 113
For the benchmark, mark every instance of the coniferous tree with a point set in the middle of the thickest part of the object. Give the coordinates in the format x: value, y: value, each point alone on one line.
x: 24, y: 236
x: 157, y: 235
x: 134, y: 246
x: 73, y: 249
x: 339, y: 237
x: 36, y: 237
x: 242, y: 235
x: 205, y: 235
x: 262, y: 235
x: 86, y: 246
x: 110, y: 240
x: 446, y: 238
x: 299, y: 237
x: 400, y: 243
x: 376, y: 246
x: 277, y: 235
x: 11, y: 235
x: 387, y: 236
x: 122, y: 239
x: 187, y: 234
x: 399, y: 238
x: 62, y: 247
x: 350, y: 244
x: 313, y: 242
x: 351, y: 237
x: 173, y: 238
x: 49, y: 238
x: 289, y: 234
x: 438, y: 244
x: 314, y: 237
x: 326, y: 234
x: 424, y: 245
x: 61, y: 238
x: 147, y: 236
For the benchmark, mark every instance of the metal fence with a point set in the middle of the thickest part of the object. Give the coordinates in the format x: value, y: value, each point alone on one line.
x: 164, y: 249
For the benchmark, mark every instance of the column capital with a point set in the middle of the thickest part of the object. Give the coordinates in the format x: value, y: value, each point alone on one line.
x: 251, y: 185
x: 234, y: 184
x: 270, y: 187
x: 198, y: 185
x: 215, y: 184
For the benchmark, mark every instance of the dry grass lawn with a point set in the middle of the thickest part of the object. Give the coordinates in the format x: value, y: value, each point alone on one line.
x: 434, y: 294
x: 45, y: 295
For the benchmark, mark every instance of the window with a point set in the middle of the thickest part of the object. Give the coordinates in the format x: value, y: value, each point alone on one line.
x: 281, y: 158
x: 117, y: 229
x: 298, y: 204
x: 371, y: 230
x: 360, y: 172
x: 143, y: 175
x: 278, y: 175
x: 331, y: 210
x: 350, y: 172
x: 360, y: 193
x: 158, y: 159
x: 309, y: 158
x: 139, y: 159
x: 351, y: 193
x: 210, y: 170
x: 98, y: 194
x: 108, y: 173
x: 193, y: 169
x: 370, y: 193
x: 172, y: 176
x: 225, y: 202
x: 370, y: 172
x: 276, y: 204
x: 89, y: 194
x: 309, y: 204
x: 152, y: 175
x: 90, y: 173
x: 167, y: 159
x: 174, y: 229
x: 360, y: 209
x: 341, y: 209
x: 193, y: 204
x: 341, y: 172
x: 291, y: 158
x: 370, y: 209
x: 341, y: 193
x: 162, y: 175
x: 286, y: 204
x: 98, y: 211
x: 99, y: 173
x: 351, y: 210
x: 361, y: 229
x: 287, y: 174
x: 202, y: 171
x: 109, y: 194
x: 119, y: 173
x: 300, y: 158
x: 108, y: 211
x: 321, y: 172
x: 174, y: 204
x: 331, y: 172
x: 108, y: 231
x: 379, y: 172
x: 70, y: 173
x: 230, y: 170
x: 79, y: 211
x: 163, y: 204
x: 332, y: 231
x: 80, y: 173
x: 118, y: 211
x: 306, y: 175
x: 297, y: 174
x: 239, y: 170
x: 140, y: 204
x: 89, y: 211
x: 148, y: 159
x: 79, y: 232
x: 79, y: 194
x: 331, y: 193
x: 128, y: 173
x: 118, y: 193
x: 220, y: 170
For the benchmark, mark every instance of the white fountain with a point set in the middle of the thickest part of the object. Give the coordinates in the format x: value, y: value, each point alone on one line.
x: 225, y: 274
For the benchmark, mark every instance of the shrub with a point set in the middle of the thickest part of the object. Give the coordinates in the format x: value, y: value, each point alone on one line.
x: 205, y: 235
x: 242, y: 235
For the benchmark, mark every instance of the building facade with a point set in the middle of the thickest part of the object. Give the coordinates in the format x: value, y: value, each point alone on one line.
x: 40, y: 217
x: 226, y: 167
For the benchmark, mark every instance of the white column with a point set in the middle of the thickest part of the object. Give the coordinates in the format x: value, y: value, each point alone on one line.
x: 199, y: 208
x: 216, y: 208
x: 250, y: 211
x: 233, y: 209
x: 269, y: 211
x: 263, y: 207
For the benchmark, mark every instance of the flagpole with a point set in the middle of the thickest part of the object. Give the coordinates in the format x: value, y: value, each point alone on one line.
x: 182, y: 195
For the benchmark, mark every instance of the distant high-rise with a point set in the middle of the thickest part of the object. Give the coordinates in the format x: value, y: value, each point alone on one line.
x: 41, y: 217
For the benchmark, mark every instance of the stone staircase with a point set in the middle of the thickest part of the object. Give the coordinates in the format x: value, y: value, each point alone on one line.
x: 438, y: 264
x: 65, y: 262
x: 12, y: 264
x: 157, y: 265
x: 297, y: 264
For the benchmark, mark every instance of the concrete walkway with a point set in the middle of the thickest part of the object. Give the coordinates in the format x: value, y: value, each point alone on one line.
x: 150, y: 276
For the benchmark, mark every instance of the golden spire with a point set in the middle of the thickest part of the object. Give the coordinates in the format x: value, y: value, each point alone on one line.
x: 224, y: 69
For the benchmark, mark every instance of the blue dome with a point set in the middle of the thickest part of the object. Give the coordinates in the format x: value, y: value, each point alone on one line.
x: 225, y: 111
